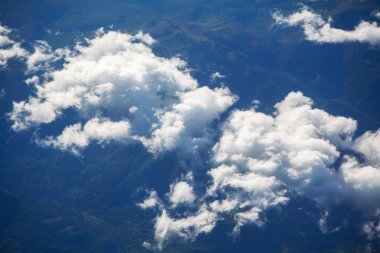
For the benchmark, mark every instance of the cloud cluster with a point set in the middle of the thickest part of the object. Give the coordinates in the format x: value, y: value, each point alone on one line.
x: 298, y: 145
x: 263, y: 160
x: 116, y: 75
x: 9, y: 48
x: 121, y: 91
x: 320, y: 30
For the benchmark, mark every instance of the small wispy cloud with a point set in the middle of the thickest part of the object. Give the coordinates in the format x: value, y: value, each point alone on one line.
x: 216, y: 75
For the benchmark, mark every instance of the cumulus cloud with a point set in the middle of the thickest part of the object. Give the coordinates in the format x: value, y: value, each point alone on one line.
x: 121, y: 91
x: 184, y: 125
x: 369, y: 145
x: 117, y: 75
x: 298, y: 144
x: 263, y: 160
x: 362, y: 178
x: 181, y: 193
x: 317, y: 29
x: 362, y: 182
x: 101, y: 130
x: 9, y: 48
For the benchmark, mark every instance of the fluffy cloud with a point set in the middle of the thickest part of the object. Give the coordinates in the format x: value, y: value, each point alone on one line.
x: 184, y: 125
x: 263, y: 160
x: 362, y: 182
x: 8, y: 47
x: 363, y: 178
x: 111, y: 70
x: 319, y: 30
x: 101, y: 130
x: 369, y: 145
x: 121, y: 91
x: 296, y: 146
x: 116, y: 75
x: 182, y: 192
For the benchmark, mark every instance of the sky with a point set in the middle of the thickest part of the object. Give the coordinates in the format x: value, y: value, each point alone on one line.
x: 247, y: 123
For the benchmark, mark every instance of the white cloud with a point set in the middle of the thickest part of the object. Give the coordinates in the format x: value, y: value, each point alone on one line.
x: 184, y: 126
x: 8, y: 47
x: 362, y: 183
x: 224, y: 206
x: 246, y: 193
x: 363, y: 178
x: 247, y: 217
x: 319, y: 30
x: 111, y: 70
x: 43, y: 56
x: 123, y: 91
x: 151, y: 201
x: 369, y: 145
x: 101, y: 130
x: 117, y: 75
x: 296, y: 146
x: 187, y: 228
x: 216, y: 75
x: 263, y: 160
x: 181, y: 193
